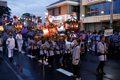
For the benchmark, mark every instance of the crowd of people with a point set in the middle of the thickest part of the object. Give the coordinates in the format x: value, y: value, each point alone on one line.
x: 64, y: 49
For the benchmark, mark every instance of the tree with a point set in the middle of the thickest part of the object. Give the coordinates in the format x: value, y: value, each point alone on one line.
x: 26, y: 15
x: 5, y: 10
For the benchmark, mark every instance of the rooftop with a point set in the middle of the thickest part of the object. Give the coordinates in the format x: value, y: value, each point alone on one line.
x: 62, y: 1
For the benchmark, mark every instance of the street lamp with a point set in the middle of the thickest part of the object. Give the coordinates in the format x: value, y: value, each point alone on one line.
x: 46, y: 13
x: 83, y: 15
x: 102, y: 12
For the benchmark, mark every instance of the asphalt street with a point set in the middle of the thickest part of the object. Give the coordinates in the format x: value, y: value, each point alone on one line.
x: 26, y: 68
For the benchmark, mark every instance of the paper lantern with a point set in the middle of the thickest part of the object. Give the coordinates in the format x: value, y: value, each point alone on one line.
x: 1, y: 28
x: 46, y: 31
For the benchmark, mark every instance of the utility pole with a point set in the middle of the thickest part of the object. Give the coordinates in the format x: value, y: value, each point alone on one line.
x: 111, y: 14
x: 81, y: 17
x: 26, y: 8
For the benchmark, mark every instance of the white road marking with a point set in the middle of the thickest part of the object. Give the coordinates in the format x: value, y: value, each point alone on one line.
x: 64, y: 72
x: 17, y: 75
x: 31, y: 56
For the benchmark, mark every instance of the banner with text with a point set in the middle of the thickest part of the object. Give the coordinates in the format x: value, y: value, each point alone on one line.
x: 108, y: 32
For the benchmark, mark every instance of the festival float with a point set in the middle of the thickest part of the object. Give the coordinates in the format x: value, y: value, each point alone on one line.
x: 49, y: 28
x: 72, y: 24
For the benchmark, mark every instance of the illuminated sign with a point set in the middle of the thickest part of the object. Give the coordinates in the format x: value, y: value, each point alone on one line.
x: 58, y: 18
x: 88, y: 1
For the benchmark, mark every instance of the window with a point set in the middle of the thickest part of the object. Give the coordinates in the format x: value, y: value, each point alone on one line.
x: 116, y: 11
x: 96, y: 7
x: 87, y: 8
x: 107, y: 12
x: 95, y: 10
x: 92, y: 14
x: 92, y: 8
x: 75, y: 9
x: 96, y: 13
x: 87, y: 14
x: 101, y: 6
x: 117, y: 3
x: 106, y: 5
x: 59, y: 10
x: 53, y: 12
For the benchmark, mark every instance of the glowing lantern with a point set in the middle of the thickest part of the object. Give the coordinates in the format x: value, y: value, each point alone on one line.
x: 5, y: 17
x: 40, y: 26
x: 46, y: 31
x: 15, y: 19
x: 1, y: 28
x: 83, y: 20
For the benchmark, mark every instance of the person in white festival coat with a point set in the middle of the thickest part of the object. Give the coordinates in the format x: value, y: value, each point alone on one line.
x: 76, y: 60
x: 19, y: 42
x: 102, y: 50
x: 10, y: 45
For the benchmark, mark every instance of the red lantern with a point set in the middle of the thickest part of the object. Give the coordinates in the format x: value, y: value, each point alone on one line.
x: 40, y: 26
x: 83, y: 20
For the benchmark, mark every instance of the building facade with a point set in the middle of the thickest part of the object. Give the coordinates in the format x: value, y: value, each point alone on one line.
x: 96, y: 14
x: 62, y: 10
x: 3, y: 3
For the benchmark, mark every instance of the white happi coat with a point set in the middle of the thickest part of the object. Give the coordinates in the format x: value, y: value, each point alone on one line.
x: 30, y: 43
x: 101, y: 49
x: 18, y: 36
x: 42, y: 47
x: 19, y: 42
x: 57, y: 47
x: 76, y: 55
x: 68, y: 46
x: 11, y: 45
x: 51, y: 49
x: 45, y: 47
x: 1, y: 43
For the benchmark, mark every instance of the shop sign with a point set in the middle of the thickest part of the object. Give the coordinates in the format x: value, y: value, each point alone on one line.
x: 88, y: 1
x: 58, y: 18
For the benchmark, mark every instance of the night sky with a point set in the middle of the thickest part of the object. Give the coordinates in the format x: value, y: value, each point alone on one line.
x: 37, y: 7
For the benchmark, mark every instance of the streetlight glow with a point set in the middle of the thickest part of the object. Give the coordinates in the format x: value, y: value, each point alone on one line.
x: 102, y: 12
x: 83, y: 15
x: 46, y: 13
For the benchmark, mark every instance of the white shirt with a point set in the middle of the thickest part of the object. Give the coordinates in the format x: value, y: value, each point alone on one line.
x: 76, y: 55
x: 101, y: 47
x: 11, y: 43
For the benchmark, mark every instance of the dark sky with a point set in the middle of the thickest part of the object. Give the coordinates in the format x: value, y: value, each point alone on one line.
x: 37, y: 7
